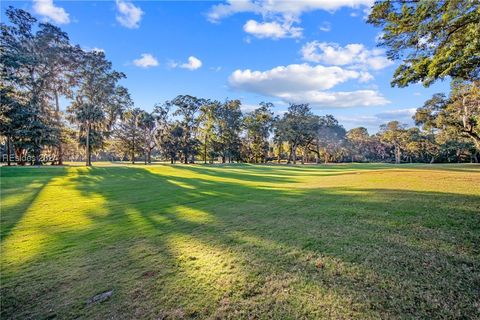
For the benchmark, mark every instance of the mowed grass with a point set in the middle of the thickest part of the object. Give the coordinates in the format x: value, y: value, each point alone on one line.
x: 241, y: 242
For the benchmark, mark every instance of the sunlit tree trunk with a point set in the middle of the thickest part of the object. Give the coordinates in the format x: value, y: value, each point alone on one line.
x: 87, y: 150
x: 57, y: 113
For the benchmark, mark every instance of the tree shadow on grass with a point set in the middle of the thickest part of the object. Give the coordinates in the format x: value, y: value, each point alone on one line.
x: 176, y: 243
x: 19, y: 191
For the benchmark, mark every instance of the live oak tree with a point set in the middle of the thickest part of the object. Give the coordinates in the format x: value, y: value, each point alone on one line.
x: 458, y: 114
x: 393, y: 133
x: 359, y: 143
x: 297, y: 127
x: 433, y: 39
x: 187, y: 108
x: 258, y: 125
x: 330, y: 137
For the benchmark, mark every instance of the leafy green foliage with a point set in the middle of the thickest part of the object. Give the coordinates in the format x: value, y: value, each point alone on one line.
x: 434, y: 39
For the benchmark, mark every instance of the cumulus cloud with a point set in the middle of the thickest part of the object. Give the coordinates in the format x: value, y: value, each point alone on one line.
x: 354, y: 55
x: 279, y: 15
x: 146, y: 61
x: 47, y: 9
x: 192, y: 64
x: 281, y: 7
x: 274, y: 30
x: 128, y: 15
x: 341, y: 99
x: 300, y: 83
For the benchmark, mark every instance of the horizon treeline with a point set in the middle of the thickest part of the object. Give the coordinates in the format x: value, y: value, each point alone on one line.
x: 39, y: 67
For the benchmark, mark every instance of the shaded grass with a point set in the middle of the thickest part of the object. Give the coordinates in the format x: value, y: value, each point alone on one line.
x: 241, y: 241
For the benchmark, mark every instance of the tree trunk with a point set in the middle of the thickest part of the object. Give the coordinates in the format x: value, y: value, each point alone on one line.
x: 205, y: 151
x: 57, y: 113
x: 87, y: 151
x: 133, y: 149
x: 294, y: 154
x: 397, y: 154
x: 8, y: 151
x: 279, y: 152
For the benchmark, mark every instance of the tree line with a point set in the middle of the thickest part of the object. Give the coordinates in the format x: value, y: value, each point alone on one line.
x: 39, y: 67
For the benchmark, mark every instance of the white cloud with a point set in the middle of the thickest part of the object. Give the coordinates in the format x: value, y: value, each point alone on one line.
x: 47, y: 9
x: 302, y: 83
x: 283, y: 78
x: 192, y: 64
x: 325, y: 26
x: 273, y: 29
x: 129, y: 15
x: 279, y: 15
x: 353, y: 55
x: 280, y: 7
x: 397, y: 114
x: 340, y: 99
x: 146, y: 61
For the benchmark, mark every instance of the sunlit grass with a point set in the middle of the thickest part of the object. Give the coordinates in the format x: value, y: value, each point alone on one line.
x: 241, y: 241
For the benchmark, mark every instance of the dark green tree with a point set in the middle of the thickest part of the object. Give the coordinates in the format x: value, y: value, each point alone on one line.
x: 433, y: 39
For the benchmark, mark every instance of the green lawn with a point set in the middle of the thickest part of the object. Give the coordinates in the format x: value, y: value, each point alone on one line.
x: 241, y: 241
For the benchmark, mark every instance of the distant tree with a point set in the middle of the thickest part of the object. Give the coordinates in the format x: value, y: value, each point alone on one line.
x: 434, y: 39
x: 208, y: 119
x: 359, y: 143
x: 147, y: 124
x: 330, y: 137
x: 187, y: 108
x: 229, y: 121
x: 459, y: 114
x: 258, y: 125
x: 393, y: 133
x: 173, y: 140
x: 298, y: 127
x: 130, y: 133
x: 162, y: 125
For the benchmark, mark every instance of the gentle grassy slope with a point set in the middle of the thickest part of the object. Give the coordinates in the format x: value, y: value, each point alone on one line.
x: 241, y: 241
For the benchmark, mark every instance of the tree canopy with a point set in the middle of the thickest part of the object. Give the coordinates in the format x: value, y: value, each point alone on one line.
x: 433, y: 39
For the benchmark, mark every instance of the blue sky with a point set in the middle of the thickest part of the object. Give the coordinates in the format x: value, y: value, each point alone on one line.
x: 320, y: 52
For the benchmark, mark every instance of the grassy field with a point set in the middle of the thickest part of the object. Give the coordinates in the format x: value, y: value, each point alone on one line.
x: 241, y: 241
